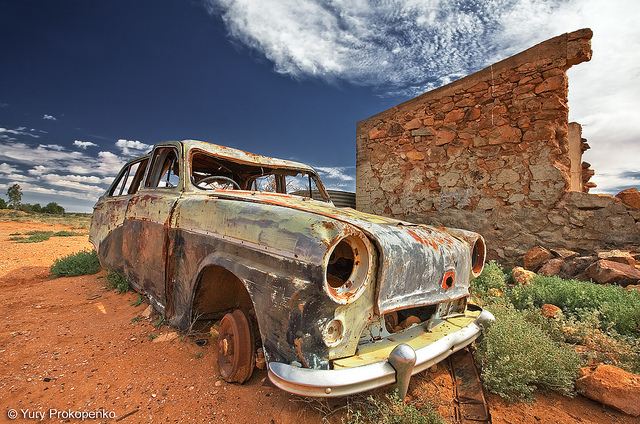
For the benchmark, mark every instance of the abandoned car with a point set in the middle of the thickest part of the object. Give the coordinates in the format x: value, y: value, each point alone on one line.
x: 334, y: 300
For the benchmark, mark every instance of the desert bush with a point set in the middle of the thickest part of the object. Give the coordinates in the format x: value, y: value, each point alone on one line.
x: 65, y: 233
x: 118, y: 282
x: 491, y: 283
x: 79, y: 263
x: 389, y: 409
x: 517, y: 356
x: 618, y: 308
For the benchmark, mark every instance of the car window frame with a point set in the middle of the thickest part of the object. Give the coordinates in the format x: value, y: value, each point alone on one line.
x: 181, y: 182
x: 124, y: 173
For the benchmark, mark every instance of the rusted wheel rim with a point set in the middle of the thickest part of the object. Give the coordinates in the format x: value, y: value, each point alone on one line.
x: 236, y: 357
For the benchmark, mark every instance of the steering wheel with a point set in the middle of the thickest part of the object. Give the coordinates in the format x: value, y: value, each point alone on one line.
x: 214, y: 178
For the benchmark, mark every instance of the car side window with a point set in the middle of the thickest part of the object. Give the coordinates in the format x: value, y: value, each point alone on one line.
x: 165, y: 169
x: 264, y: 183
x: 129, y: 179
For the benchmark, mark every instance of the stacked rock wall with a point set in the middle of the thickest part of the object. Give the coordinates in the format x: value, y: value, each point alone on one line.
x: 491, y: 153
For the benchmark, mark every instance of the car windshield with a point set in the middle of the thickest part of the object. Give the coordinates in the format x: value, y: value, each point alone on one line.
x: 210, y: 172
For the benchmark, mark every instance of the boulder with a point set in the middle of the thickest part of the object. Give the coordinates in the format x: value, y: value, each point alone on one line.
x: 617, y: 256
x: 522, y: 276
x: 550, y: 311
x: 552, y: 267
x: 611, y: 386
x: 630, y: 197
x: 575, y: 266
x: 535, y: 257
x: 609, y: 272
x: 564, y: 253
x: 632, y: 287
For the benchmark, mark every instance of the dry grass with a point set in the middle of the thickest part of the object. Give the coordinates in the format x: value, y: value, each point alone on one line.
x: 79, y: 221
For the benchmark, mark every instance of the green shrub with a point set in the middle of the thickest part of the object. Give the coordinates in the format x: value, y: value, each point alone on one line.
x: 517, y: 356
x: 618, y: 309
x: 80, y: 263
x: 389, y: 409
x: 491, y: 283
x: 65, y: 233
x: 118, y: 282
x: 35, y: 237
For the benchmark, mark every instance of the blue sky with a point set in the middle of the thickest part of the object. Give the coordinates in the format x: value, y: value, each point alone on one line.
x: 86, y: 85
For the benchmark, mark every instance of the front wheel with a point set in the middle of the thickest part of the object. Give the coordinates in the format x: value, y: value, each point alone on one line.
x: 236, y: 348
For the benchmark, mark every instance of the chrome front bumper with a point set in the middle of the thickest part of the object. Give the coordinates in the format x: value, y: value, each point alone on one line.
x: 348, y: 381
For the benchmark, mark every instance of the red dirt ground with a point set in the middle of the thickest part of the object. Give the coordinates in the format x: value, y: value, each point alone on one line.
x: 70, y: 343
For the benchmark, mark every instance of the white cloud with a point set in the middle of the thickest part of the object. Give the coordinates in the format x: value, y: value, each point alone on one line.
x: 56, y: 147
x: 132, y: 147
x: 38, y: 170
x: 5, y: 168
x: 409, y: 46
x: 83, y: 144
x: 340, y: 173
x: 49, y: 117
x: 17, y: 131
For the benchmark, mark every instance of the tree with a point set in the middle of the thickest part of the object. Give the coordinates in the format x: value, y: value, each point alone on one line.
x: 14, y: 193
x: 53, y: 208
x: 3, y: 204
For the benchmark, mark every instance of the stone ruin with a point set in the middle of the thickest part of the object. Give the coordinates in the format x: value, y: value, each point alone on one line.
x: 494, y: 153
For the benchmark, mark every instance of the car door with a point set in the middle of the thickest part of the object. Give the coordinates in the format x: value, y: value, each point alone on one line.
x: 107, y: 222
x: 147, y: 222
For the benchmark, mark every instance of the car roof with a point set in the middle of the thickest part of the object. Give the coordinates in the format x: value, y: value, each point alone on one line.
x: 238, y: 155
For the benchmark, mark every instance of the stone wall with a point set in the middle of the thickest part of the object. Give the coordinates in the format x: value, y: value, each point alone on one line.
x: 491, y: 152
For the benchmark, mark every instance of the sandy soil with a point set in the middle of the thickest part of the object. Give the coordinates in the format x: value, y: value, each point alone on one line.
x: 70, y: 343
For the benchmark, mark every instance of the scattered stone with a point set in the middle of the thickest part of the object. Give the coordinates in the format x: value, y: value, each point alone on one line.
x: 609, y: 272
x: 166, y: 337
x: 564, y: 253
x: 551, y: 267
x: 214, y: 331
x: 613, y: 387
x: 522, y: 276
x: 261, y: 363
x: 146, y: 314
x: 550, y: 311
x: 617, y: 256
x: 536, y: 257
x: 630, y: 197
x: 219, y: 383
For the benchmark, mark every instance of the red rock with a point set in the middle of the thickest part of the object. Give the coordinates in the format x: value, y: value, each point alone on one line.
x: 535, y: 257
x: 522, y: 276
x: 557, y: 82
x: 550, y: 311
x: 609, y: 272
x: 564, y: 253
x: 412, y: 125
x: 377, y: 133
x: 617, y: 256
x: 444, y: 137
x: 613, y: 387
x: 415, y: 155
x: 551, y: 267
x: 630, y: 197
x: 454, y: 116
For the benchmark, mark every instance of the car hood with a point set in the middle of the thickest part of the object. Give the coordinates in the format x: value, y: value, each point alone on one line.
x: 413, y: 258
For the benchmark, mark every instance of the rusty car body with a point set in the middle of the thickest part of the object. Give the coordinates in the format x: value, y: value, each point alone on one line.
x: 336, y: 300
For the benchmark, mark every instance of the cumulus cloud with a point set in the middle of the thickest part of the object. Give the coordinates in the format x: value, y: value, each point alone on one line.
x: 49, y: 117
x: 83, y: 144
x: 409, y: 46
x: 132, y: 147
